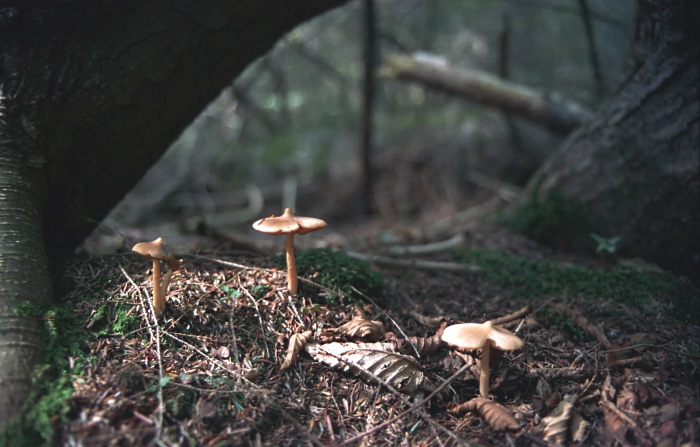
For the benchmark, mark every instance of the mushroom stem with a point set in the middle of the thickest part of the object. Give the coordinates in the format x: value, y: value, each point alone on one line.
x: 485, y: 371
x: 158, y: 295
x: 292, y: 280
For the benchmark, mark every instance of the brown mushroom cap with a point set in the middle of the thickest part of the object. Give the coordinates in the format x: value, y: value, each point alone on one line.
x: 476, y: 336
x: 288, y: 223
x: 152, y: 250
x: 156, y: 250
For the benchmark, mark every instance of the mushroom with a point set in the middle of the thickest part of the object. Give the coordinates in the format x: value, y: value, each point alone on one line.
x: 289, y: 224
x: 155, y: 251
x: 484, y: 336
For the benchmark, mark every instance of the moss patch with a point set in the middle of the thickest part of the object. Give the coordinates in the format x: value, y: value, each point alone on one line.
x: 52, y: 380
x: 533, y: 278
x: 557, y: 222
x: 339, y: 273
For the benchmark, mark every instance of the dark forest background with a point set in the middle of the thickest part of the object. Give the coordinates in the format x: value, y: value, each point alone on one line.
x: 288, y: 131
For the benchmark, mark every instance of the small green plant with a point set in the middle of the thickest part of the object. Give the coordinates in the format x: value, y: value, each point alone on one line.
x: 260, y: 291
x: 605, y: 244
x: 230, y: 293
x: 339, y: 273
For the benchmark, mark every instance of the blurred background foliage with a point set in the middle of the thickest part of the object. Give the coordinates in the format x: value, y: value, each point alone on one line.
x: 291, y: 121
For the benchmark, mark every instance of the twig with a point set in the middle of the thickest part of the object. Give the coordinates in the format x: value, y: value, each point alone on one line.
x: 262, y: 326
x: 253, y: 389
x: 512, y: 316
x: 396, y: 325
x: 155, y: 339
x: 143, y: 305
x: 417, y: 263
x: 433, y: 247
x: 232, y: 264
x: 412, y: 408
x: 471, y: 214
x: 581, y: 321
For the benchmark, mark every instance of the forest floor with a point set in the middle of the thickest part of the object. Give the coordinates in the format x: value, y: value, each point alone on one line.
x: 605, y: 361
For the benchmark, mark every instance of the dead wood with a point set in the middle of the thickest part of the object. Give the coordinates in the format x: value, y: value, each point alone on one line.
x: 552, y: 112
x: 495, y: 414
x: 417, y: 263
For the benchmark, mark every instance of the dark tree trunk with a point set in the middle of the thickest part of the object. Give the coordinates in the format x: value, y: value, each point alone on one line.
x: 635, y: 165
x: 366, y: 120
x: 93, y: 91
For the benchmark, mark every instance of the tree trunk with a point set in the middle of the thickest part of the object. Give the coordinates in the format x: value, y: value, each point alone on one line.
x: 92, y: 93
x: 635, y: 165
x: 23, y: 265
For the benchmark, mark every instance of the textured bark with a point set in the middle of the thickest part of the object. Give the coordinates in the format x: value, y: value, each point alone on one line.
x: 635, y: 166
x: 23, y: 267
x: 115, y: 83
x: 93, y: 91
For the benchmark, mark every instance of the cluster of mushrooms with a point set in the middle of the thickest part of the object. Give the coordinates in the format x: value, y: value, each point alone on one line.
x: 466, y: 336
x: 288, y: 224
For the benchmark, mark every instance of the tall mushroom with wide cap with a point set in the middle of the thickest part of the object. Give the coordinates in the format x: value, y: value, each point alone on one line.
x: 289, y: 224
x: 484, y: 336
x: 155, y: 251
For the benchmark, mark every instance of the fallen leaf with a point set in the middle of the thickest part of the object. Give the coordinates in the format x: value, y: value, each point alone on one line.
x: 495, y: 414
x: 554, y: 427
x: 296, y: 344
x: 401, y: 371
x: 359, y: 327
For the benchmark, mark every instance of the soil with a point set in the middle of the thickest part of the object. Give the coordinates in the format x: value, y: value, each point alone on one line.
x: 592, y: 371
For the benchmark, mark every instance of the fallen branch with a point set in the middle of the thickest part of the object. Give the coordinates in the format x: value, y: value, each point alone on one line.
x: 556, y: 114
x: 433, y: 247
x: 461, y: 219
x: 417, y: 263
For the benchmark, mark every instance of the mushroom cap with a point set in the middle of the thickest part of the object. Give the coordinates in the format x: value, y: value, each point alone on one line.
x: 288, y: 223
x: 475, y: 336
x: 152, y: 250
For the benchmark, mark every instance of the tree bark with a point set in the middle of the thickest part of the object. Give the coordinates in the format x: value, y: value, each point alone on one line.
x: 635, y: 166
x: 555, y: 114
x: 366, y: 120
x: 92, y: 93
x: 24, y: 274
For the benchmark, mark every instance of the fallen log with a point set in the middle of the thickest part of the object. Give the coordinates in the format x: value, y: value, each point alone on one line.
x: 553, y: 112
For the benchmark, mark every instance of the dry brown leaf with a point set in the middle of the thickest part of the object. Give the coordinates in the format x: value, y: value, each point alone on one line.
x: 360, y: 327
x: 555, y: 427
x: 423, y: 345
x: 402, y: 372
x: 579, y: 427
x: 296, y: 344
x: 495, y: 414
x: 431, y: 322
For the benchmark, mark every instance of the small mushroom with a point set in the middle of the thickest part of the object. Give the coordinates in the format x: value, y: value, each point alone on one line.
x: 484, y: 336
x: 155, y: 251
x: 289, y: 224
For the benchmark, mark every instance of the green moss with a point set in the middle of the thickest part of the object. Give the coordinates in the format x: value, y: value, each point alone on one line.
x: 339, y: 273
x: 556, y: 221
x: 533, y: 278
x: 180, y: 402
x: 52, y: 380
x: 563, y: 323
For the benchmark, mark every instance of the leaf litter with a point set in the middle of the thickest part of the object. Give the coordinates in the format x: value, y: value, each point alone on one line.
x: 236, y: 361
